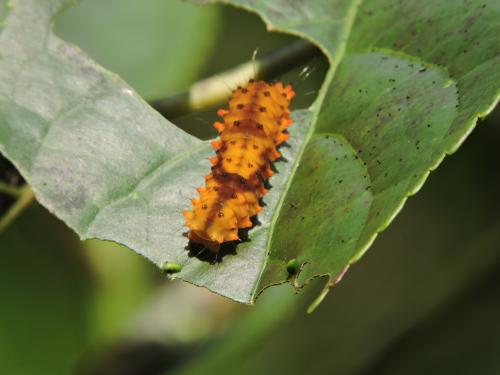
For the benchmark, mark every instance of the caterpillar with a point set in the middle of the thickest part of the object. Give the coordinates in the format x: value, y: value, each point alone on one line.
x: 252, y: 128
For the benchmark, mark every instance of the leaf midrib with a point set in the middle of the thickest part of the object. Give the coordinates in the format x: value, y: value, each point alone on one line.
x: 316, y: 106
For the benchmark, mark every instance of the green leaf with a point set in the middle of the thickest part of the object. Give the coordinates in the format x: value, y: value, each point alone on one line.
x: 406, y: 84
x: 134, y: 39
x: 444, y: 246
x: 102, y: 160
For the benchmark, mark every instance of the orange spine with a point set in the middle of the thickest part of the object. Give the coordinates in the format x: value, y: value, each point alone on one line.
x: 252, y: 128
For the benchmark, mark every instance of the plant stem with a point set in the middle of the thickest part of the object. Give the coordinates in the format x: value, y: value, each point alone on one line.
x: 9, y: 190
x: 217, y: 89
x: 24, y: 200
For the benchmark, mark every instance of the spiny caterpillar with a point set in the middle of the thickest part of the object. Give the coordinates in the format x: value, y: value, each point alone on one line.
x: 253, y: 127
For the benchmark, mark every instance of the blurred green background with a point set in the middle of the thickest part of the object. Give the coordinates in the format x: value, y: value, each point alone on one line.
x: 424, y: 300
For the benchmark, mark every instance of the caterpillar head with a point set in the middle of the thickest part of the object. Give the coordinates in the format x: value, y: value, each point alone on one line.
x: 211, y: 228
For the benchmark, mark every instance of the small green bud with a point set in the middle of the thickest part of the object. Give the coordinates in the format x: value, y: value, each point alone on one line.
x: 293, y: 266
x: 171, y: 267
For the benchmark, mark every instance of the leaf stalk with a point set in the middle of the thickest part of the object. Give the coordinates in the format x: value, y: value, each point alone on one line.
x: 217, y: 89
x: 24, y: 200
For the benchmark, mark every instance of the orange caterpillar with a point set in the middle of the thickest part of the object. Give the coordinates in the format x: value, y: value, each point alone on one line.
x: 252, y: 129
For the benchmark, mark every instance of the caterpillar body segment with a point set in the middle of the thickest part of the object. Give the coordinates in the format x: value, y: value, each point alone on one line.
x: 250, y: 131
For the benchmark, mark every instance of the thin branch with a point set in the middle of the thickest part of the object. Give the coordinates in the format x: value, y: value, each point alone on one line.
x: 217, y: 89
x: 9, y: 190
x: 24, y: 200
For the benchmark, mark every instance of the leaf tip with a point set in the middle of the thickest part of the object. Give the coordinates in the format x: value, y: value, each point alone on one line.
x: 331, y: 282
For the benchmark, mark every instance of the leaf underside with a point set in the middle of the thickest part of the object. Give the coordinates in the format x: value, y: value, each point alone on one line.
x: 407, y: 82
